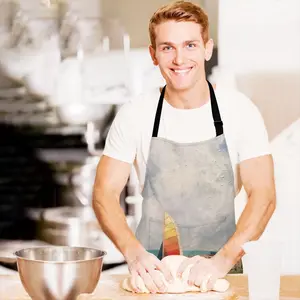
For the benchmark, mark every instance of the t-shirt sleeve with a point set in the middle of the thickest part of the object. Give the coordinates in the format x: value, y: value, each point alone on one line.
x: 253, y: 140
x: 121, y: 141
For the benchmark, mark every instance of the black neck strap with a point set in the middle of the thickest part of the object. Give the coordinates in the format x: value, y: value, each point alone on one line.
x: 214, y: 108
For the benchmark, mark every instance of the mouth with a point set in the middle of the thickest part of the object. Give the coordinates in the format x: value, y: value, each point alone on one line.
x: 181, y: 72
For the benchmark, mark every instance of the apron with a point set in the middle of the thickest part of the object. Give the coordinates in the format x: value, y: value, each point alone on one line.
x: 194, y: 184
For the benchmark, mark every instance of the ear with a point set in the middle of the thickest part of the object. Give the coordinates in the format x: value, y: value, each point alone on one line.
x: 152, y: 53
x: 209, y: 47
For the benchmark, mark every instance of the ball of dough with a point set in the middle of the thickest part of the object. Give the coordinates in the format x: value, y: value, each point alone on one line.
x: 179, y: 285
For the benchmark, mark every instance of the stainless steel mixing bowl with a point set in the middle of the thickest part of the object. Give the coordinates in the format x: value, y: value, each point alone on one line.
x: 59, y: 273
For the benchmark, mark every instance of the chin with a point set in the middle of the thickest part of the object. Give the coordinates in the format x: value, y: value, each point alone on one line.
x: 181, y: 87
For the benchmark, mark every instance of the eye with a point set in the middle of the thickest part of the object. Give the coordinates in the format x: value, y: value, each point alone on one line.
x: 191, y: 45
x: 167, y: 48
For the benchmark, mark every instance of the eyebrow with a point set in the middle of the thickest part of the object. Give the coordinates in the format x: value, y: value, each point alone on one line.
x: 185, y: 42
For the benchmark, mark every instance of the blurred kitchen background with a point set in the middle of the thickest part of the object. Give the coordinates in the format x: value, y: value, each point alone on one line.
x: 67, y: 66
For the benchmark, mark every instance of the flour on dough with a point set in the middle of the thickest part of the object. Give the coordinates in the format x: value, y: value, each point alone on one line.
x: 179, y: 285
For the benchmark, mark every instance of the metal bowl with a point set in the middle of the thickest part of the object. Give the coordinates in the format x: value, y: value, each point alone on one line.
x: 59, y: 273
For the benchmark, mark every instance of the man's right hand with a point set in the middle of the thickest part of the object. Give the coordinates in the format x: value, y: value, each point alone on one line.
x: 111, y: 178
x: 144, y: 264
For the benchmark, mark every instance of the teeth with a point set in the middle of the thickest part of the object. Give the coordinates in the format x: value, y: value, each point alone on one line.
x: 181, y: 71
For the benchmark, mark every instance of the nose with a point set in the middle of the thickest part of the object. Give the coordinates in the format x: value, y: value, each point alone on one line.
x: 179, y: 58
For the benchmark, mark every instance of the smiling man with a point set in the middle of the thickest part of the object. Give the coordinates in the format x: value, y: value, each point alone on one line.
x: 192, y: 147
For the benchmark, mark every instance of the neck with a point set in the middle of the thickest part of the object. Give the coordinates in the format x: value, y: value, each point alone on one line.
x: 191, y: 98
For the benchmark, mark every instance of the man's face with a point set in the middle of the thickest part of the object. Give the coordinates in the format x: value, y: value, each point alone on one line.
x: 180, y: 53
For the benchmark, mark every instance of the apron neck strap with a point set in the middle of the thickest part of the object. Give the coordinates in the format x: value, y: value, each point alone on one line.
x: 215, y: 111
x: 158, y: 112
x: 214, y: 108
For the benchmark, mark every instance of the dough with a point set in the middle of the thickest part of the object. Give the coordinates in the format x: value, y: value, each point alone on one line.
x: 179, y: 285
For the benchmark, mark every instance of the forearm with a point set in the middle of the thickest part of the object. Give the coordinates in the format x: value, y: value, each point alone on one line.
x: 251, y: 225
x: 113, y: 220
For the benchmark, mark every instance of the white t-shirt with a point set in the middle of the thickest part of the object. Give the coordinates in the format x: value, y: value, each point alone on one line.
x: 130, y: 134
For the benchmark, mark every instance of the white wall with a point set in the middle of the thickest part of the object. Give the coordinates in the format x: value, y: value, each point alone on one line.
x: 259, y: 35
x: 259, y: 42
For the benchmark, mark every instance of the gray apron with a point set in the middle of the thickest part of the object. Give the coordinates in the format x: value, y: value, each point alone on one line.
x: 194, y: 184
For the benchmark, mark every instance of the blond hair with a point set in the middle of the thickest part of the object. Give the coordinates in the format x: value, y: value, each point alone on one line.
x: 180, y: 11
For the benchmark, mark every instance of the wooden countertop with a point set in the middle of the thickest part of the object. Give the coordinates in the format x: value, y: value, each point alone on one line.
x: 109, y: 289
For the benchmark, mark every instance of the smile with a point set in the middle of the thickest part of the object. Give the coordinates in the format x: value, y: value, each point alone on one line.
x: 182, y: 72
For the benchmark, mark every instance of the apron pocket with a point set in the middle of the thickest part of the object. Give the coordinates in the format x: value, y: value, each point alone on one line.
x: 208, y: 237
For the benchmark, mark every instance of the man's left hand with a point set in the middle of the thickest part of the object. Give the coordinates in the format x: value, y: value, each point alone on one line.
x: 204, y: 271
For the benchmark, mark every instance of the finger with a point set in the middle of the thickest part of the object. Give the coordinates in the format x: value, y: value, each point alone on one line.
x: 157, y: 278
x: 195, y: 276
x: 165, y: 270
x: 148, y: 281
x: 211, y: 282
x: 154, y: 269
x: 204, y: 284
x: 133, y: 281
x: 182, y: 267
x: 188, y: 261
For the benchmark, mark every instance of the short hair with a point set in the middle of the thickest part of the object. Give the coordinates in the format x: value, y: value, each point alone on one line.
x: 180, y: 11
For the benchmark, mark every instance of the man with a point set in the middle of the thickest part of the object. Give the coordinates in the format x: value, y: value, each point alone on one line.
x: 192, y: 147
